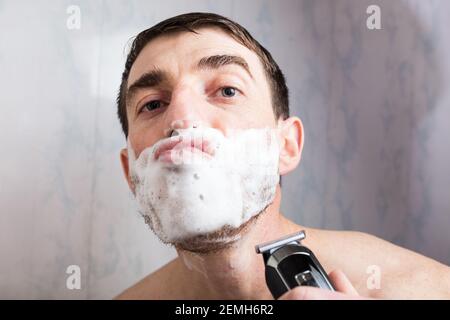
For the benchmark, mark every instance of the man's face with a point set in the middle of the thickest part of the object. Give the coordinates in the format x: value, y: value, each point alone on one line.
x: 206, y: 78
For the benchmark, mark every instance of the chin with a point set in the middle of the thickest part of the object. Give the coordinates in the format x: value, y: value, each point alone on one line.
x: 212, y: 242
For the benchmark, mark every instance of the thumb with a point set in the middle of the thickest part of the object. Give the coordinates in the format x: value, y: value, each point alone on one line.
x: 341, y: 283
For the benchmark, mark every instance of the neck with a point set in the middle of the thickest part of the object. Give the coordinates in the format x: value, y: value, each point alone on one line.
x: 237, y: 272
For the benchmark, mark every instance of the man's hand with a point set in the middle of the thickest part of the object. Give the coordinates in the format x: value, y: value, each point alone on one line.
x: 343, y: 286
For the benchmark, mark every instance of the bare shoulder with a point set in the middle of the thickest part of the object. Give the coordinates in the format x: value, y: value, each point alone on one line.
x: 157, y: 285
x: 403, y: 274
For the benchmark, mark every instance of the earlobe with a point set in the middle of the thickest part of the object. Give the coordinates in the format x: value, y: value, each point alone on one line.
x: 291, y: 146
x: 125, y: 167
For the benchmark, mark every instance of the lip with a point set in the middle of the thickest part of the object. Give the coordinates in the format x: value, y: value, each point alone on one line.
x: 178, y: 143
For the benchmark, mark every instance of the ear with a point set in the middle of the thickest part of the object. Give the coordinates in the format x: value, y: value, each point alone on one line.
x: 126, y: 168
x: 291, y: 144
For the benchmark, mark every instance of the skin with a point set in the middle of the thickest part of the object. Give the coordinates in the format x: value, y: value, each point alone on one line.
x: 191, y: 95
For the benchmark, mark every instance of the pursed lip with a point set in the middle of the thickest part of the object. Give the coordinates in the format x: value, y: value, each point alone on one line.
x: 195, y: 144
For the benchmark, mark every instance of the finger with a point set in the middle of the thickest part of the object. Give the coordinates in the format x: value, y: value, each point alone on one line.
x: 313, y: 293
x: 341, y: 283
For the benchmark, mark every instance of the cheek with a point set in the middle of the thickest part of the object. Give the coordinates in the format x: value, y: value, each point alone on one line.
x: 140, y: 140
x: 228, y: 121
x: 263, y: 116
x: 262, y: 110
x: 257, y: 115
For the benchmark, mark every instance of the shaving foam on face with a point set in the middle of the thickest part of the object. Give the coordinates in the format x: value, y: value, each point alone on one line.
x: 233, y: 179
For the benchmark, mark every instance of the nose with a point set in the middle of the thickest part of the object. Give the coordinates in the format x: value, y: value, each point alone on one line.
x: 186, y: 110
x: 182, y: 124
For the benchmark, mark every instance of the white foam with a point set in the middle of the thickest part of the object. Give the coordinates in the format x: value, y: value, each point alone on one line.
x: 200, y: 194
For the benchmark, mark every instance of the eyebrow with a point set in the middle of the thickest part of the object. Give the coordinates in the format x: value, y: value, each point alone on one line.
x: 149, y: 79
x: 155, y: 77
x: 218, y: 61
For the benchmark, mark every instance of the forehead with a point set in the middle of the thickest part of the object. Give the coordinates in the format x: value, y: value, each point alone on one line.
x: 180, y: 52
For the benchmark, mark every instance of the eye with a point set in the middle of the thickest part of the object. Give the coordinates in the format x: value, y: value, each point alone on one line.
x: 228, y: 92
x: 152, y: 105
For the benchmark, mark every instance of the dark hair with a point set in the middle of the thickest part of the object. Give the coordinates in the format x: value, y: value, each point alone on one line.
x: 189, y: 23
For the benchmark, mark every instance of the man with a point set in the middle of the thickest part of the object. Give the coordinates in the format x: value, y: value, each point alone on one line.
x: 199, y: 71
